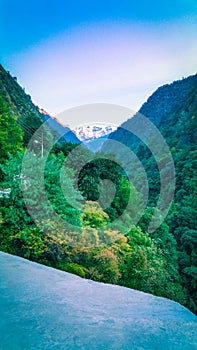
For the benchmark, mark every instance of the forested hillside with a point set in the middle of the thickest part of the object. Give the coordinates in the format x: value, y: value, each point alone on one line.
x: 173, y: 109
x: 94, y: 248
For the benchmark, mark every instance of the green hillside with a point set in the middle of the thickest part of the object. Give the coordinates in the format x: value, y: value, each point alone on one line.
x: 173, y: 109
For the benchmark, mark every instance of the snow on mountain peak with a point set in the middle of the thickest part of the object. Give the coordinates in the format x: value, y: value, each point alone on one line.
x: 91, y: 132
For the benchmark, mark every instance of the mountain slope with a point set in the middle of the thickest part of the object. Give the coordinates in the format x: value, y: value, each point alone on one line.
x: 173, y: 109
x: 30, y: 117
x: 54, y: 124
x: 43, y: 308
x: 159, y: 109
x: 168, y: 99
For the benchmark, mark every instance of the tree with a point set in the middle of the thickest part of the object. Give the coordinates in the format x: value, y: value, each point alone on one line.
x: 11, y: 135
x: 93, y: 216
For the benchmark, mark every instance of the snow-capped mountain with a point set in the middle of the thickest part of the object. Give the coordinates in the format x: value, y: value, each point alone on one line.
x: 93, y: 136
x: 87, y: 133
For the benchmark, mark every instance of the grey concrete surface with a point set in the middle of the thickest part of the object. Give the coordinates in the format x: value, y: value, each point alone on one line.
x: 43, y: 308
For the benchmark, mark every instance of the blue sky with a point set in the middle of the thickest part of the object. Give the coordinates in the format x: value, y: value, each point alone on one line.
x: 67, y: 53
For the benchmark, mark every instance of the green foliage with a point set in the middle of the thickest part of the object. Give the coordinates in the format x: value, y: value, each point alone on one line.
x: 11, y: 135
x: 106, y: 267
x: 74, y: 268
x: 93, y: 215
x: 20, y: 106
x: 29, y: 243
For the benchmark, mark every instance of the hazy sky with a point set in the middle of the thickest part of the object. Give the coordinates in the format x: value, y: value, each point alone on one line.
x: 68, y: 53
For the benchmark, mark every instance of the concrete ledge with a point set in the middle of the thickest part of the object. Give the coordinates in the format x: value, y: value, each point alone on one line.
x: 43, y: 308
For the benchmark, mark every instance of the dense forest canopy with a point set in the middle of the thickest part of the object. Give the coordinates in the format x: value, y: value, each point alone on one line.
x: 163, y: 262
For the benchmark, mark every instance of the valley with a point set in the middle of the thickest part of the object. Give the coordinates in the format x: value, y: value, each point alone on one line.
x: 61, y: 215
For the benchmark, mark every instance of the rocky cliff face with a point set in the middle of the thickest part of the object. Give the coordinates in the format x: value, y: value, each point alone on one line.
x: 43, y: 308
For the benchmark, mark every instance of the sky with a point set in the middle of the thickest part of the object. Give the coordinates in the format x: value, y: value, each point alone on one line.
x: 71, y: 53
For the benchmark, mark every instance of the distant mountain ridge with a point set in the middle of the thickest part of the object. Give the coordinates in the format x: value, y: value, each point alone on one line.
x: 29, y: 115
x: 56, y: 125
